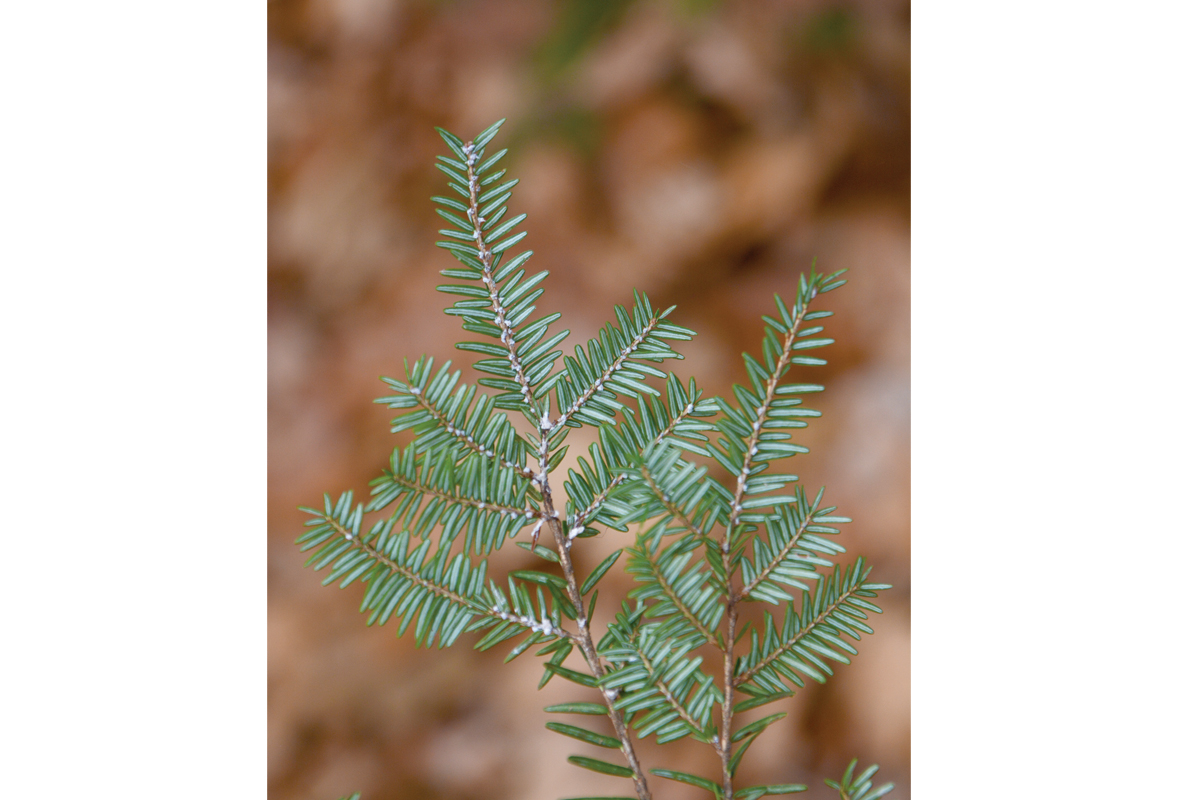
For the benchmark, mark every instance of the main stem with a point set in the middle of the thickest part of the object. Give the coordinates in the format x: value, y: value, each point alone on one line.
x: 584, y: 638
x: 725, y: 745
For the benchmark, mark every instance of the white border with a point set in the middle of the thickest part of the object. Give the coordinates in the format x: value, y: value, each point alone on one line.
x: 1055, y: 281
x: 134, y: 255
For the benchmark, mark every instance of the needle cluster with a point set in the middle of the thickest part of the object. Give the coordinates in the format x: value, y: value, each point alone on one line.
x: 717, y: 531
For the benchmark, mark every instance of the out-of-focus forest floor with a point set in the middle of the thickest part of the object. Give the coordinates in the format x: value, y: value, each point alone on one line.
x: 703, y: 152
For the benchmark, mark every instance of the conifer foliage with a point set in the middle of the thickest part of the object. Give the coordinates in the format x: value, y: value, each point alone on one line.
x: 717, y: 532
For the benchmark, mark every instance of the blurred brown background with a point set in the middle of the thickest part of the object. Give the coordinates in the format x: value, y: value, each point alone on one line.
x: 702, y: 151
